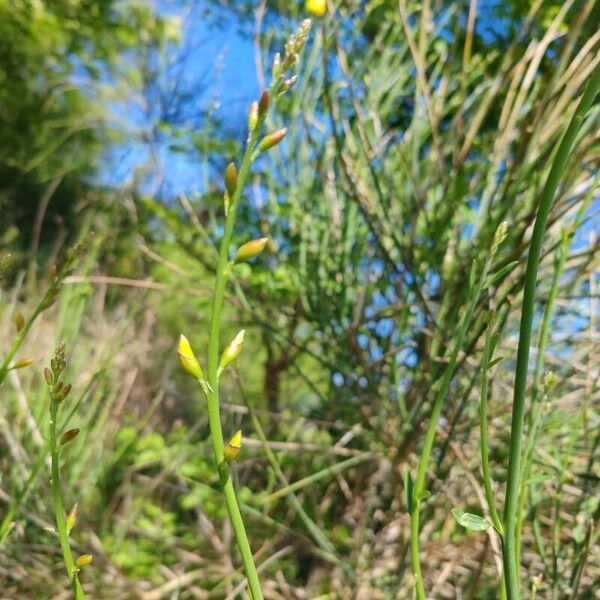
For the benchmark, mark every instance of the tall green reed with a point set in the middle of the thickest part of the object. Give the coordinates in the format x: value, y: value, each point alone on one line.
x: 514, y: 483
x: 418, y: 493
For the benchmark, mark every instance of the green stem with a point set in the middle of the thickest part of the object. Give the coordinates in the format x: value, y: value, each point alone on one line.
x: 536, y: 410
x: 483, y: 406
x: 557, y: 170
x: 212, y: 397
x: 59, y: 509
x: 431, y: 429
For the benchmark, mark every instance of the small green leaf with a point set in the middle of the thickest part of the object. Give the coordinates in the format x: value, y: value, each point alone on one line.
x: 494, y: 362
x: 471, y: 521
x: 424, y: 495
x: 408, y: 491
x: 505, y: 270
x: 494, y: 342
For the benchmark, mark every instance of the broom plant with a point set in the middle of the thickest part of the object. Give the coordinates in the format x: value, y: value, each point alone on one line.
x: 235, y: 180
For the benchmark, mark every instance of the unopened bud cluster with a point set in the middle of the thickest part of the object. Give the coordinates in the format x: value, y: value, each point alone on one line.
x: 58, y: 389
x: 295, y: 45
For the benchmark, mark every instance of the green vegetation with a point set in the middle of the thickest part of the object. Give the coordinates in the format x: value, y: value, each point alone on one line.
x: 403, y: 252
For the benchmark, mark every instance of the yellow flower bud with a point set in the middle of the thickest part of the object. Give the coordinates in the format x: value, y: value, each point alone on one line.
x: 231, y: 178
x: 22, y: 363
x: 19, y: 321
x: 187, y: 359
x: 83, y: 561
x: 250, y: 250
x: 233, y: 447
x: 72, y: 517
x: 271, y: 139
x: 316, y: 7
x: 253, y: 116
x: 233, y: 350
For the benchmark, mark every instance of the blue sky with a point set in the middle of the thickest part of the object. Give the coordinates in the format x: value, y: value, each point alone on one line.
x: 218, y: 63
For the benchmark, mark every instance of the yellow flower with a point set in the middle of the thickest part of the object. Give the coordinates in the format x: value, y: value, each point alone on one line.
x: 316, y: 7
x: 250, y: 250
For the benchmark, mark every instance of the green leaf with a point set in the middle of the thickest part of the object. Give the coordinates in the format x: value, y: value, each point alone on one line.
x: 408, y: 491
x: 505, y: 270
x: 494, y: 342
x: 494, y: 362
x: 470, y: 521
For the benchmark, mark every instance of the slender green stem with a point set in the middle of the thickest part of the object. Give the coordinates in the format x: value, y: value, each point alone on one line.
x: 59, y: 509
x: 483, y: 418
x: 536, y: 410
x: 212, y: 398
x: 440, y: 398
x: 324, y: 473
x: 527, y: 313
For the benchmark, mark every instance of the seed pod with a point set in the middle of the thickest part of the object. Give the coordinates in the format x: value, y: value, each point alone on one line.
x: 231, y: 178
x: 233, y: 350
x: 263, y: 104
x: 233, y: 447
x: 19, y: 321
x: 56, y: 390
x: 250, y: 250
x: 187, y: 358
x: 272, y: 139
x: 83, y: 561
x: 22, y: 363
x: 68, y: 436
